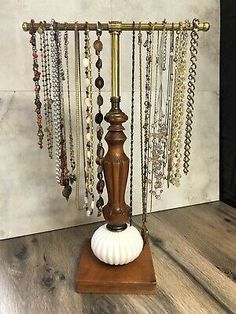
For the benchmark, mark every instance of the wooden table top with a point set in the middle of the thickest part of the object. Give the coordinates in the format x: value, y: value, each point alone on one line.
x: 194, y: 255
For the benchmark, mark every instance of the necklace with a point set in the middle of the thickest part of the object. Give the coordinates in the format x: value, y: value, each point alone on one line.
x: 46, y: 82
x: 153, y: 124
x: 190, y: 94
x: 147, y: 110
x: 58, y: 114
x: 89, y: 124
x: 132, y: 123
x: 79, y: 117
x: 49, y: 94
x: 99, y: 83
x: 140, y: 42
x: 169, y: 99
x: 175, y: 155
x: 158, y: 137
x: 71, y: 140
x: 36, y: 80
x: 71, y: 178
x: 56, y: 100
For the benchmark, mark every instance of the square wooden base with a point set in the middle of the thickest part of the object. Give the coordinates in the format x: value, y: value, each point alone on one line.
x: 94, y: 276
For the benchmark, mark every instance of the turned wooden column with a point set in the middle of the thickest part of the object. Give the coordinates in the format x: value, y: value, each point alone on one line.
x: 116, y: 163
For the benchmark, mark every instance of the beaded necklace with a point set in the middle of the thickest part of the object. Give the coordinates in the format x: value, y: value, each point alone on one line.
x: 36, y: 80
x: 146, y: 135
x: 46, y: 83
x: 99, y: 83
x: 89, y: 125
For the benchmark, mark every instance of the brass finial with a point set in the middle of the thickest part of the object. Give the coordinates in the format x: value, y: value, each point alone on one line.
x: 25, y: 27
x: 206, y: 26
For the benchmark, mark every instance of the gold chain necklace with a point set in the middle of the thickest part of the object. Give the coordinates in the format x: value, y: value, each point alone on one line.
x: 191, y: 94
x: 176, y: 142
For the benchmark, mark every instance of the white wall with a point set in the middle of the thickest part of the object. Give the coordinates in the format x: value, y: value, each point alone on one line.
x: 30, y: 200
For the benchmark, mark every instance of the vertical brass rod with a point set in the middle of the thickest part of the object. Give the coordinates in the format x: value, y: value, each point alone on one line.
x: 115, y: 64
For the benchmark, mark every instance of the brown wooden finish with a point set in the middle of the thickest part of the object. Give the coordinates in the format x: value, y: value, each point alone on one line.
x: 94, y: 276
x: 116, y: 166
x: 193, y: 250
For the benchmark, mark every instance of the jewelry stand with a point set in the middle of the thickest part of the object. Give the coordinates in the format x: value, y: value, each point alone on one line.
x: 115, y: 243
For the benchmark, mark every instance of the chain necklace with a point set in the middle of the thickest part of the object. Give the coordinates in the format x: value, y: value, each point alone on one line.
x: 169, y: 99
x: 49, y: 93
x: 153, y: 124
x: 157, y: 157
x: 79, y: 117
x: 89, y: 124
x: 140, y: 42
x: 175, y: 156
x: 99, y: 83
x: 147, y: 110
x: 190, y: 94
x: 71, y: 177
x: 56, y: 100
x: 132, y: 123
x: 66, y: 179
x: 36, y: 80
x: 58, y: 114
x: 71, y: 140
x: 46, y: 82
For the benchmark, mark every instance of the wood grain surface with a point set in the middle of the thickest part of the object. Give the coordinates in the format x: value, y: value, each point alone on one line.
x: 194, y: 255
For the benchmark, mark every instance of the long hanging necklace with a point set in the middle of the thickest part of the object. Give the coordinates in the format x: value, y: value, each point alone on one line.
x: 72, y: 176
x: 36, y: 80
x: 46, y: 82
x: 154, y: 122
x: 58, y: 113
x: 175, y: 155
x: 49, y: 93
x: 89, y: 124
x: 66, y: 177
x: 79, y: 117
x: 190, y: 94
x: 56, y: 100
x: 170, y: 95
x: 147, y: 109
x: 140, y: 43
x: 99, y: 83
x: 132, y: 123
x: 157, y: 156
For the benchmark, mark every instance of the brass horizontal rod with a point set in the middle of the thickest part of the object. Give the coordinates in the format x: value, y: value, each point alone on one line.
x: 118, y: 26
